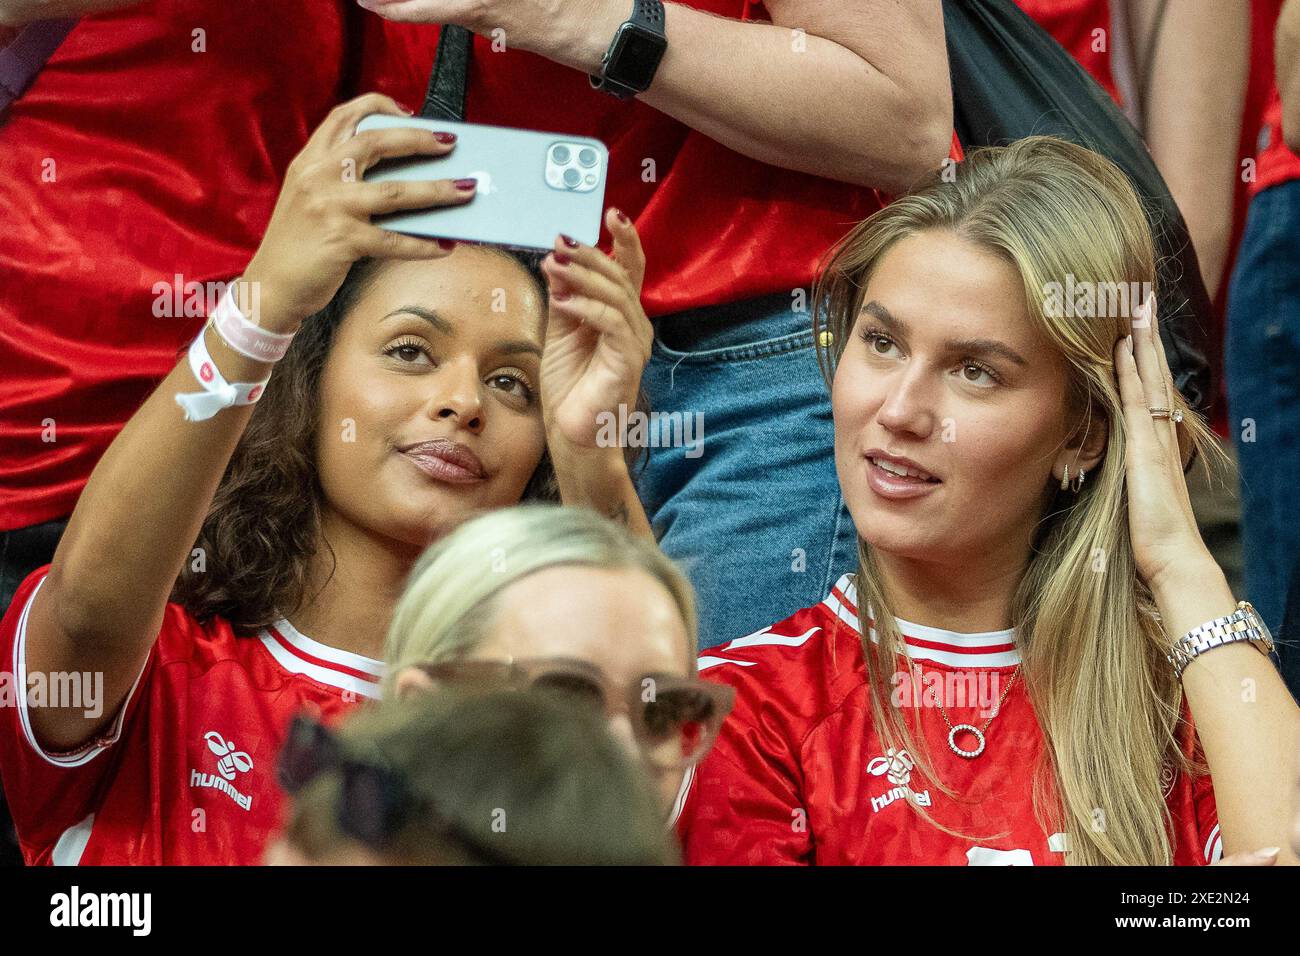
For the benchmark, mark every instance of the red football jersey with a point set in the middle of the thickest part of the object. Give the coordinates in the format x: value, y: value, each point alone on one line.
x: 799, y: 775
x: 186, y: 772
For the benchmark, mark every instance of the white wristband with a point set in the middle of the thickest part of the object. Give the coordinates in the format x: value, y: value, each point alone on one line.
x: 217, y: 392
x: 243, y: 336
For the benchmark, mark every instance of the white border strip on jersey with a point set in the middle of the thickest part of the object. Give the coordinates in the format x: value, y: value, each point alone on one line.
x: 1214, y: 846
x: 367, y: 665
x: 326, y: 675
x: 704, y: 663
x: 682, y: 792
x: 962, y: 645
x: 72, y: 843
x: 90, y: 749
x: 765, y: 637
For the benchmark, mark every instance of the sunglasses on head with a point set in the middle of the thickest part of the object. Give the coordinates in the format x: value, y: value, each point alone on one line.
x: 375, y: 802
x: 674, y: 719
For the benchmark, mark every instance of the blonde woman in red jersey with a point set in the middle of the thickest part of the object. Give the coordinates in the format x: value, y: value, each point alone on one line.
x: 209, y: 545
x: 997, y: 684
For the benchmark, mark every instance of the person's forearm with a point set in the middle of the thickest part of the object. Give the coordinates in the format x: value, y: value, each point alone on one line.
x: 598, y: 478
x: 138, y: 517
x: 1243, y: 714
x: 17, y: 13
x: 1288, y: 71
x: 1193, y: 117
x: 849, y: 99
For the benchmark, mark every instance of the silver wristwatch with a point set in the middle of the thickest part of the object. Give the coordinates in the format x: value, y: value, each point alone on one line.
x: 1243, y: 624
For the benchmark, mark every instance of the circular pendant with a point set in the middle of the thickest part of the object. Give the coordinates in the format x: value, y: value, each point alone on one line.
x: 968, y: 754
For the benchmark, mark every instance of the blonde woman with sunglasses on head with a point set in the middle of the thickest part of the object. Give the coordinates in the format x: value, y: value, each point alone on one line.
x: 1038, y: 660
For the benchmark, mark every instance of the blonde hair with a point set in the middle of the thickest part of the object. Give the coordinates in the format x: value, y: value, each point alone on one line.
x: 1090, y: 639
x: 450, y: 598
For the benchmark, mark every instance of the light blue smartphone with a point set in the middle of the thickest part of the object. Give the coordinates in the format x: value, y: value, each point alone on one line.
x: 532, y: 186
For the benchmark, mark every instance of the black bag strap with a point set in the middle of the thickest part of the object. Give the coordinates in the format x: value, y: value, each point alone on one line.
x: 445, y: 97
x: 23, y: 58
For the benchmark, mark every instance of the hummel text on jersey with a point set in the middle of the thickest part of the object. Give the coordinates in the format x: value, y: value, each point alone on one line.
x: 103, y: 909
x: 230, y: 764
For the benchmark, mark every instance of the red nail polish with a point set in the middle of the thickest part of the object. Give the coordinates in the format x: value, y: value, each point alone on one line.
x: 569, y: 241
x: 560, y: 296
x: 621, y: 218
x: 561, y: 259
x: 465, y: 184
x: 448, y: 244
x: 445, y: 137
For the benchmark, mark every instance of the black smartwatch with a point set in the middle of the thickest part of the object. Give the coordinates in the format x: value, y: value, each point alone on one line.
x: 633, y: 57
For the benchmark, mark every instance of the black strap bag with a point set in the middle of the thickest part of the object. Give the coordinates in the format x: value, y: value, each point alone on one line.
x: 1010, y: 79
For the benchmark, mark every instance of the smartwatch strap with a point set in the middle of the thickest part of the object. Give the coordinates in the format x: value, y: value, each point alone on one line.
x: 645, y: 13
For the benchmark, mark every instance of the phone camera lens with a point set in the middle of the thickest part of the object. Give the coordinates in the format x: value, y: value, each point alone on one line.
x: 560, y: 154
x: 587, y: 157
x: 572, y: 177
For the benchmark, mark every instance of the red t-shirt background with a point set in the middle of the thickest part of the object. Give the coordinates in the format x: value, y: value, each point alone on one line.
x: 134, y: 156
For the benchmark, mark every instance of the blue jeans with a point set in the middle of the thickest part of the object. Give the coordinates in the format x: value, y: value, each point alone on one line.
x: 753, y: 514
x: 1263, y: 371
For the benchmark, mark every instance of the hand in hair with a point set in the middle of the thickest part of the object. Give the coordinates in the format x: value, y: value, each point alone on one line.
x: 321, y: 223
x: 1162, y: 526
x: 1248, y: 738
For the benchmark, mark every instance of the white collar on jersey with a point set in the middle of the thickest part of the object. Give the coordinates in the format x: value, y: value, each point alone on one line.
x: 953, y: 648
x: 299, y: 654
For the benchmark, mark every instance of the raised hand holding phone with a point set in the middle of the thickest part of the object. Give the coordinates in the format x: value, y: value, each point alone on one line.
x: 322, y: 220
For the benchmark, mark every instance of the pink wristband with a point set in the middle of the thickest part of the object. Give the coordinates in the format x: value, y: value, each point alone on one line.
x: 243, y: 336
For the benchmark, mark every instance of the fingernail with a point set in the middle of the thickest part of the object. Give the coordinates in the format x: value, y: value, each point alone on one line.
x: 561, y: 259
x: 621, y: 218
x: 465, y: 184
x: 1268, y: 852
x: 447, y: 244
x: 560, y: 296
x: 445, y: 137
x: 1128, y: 343
x: 569, y: 241
x: 408, y: 112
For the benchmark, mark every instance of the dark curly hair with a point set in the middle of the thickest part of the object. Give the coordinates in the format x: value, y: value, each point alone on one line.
x: 264, y: 524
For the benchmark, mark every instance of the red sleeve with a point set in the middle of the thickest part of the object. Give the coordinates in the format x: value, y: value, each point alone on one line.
x: 51, y: 795
x: 1193, y: 813
x: 743, y: 806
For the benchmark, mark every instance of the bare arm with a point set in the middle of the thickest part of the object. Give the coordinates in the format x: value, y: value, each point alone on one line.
x: 853, y: 90
x: 1288, y: 71
x: 1244, y: 716
x: 102, y: 603
x: 17, y: 13
x: 1241, y: 709
x: 1192, y: 115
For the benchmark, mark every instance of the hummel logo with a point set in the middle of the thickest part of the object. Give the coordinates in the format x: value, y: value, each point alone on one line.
x: 896, y: 767
x: 232, y: 761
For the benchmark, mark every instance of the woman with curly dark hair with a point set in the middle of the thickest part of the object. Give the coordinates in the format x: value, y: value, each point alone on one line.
x: 171, y: 629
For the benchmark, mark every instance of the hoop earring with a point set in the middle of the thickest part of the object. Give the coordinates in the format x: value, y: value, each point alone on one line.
x: 1078, y: 487
x: 1065, y: 479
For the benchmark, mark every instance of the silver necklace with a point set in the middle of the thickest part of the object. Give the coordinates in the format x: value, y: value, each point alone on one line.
x: 977, y: 732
